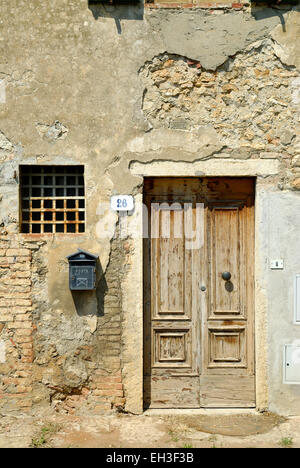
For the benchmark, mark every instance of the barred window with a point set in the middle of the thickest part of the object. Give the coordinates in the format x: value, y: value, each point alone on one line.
x: 52, y: 199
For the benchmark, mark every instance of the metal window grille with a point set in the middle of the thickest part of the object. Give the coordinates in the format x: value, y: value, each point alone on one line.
x: 52, y: 199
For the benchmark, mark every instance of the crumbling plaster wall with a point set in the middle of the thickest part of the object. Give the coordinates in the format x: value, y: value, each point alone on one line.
x: 278, y: 235
x: 74, y: 82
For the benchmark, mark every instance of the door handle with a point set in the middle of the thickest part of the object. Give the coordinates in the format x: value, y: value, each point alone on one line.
x: 226, y: 275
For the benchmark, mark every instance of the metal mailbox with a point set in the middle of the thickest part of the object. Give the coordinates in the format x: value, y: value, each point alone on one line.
x: 82, y: 271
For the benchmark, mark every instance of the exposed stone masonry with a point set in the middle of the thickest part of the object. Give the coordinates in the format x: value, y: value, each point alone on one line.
x: 251, y: 102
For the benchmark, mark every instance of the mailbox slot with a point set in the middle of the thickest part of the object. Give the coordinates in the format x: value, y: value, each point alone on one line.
x: 82, y: 271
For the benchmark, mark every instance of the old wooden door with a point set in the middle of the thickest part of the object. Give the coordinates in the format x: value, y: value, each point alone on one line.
x: 198, y: 293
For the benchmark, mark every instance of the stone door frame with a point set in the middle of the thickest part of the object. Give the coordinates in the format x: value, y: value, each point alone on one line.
x: 132, y: 287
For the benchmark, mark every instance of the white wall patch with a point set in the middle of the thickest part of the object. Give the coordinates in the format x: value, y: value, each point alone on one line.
x: 276, y: 264
x: 291, y: 364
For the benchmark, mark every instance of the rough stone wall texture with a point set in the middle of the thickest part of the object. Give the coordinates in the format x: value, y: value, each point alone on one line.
x: 250, y: 104
x: 248, y: 98
x: 113, y: 87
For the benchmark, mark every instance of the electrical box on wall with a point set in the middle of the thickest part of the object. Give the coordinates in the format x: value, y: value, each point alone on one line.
x: 297, y: 300
x: 291, y: 364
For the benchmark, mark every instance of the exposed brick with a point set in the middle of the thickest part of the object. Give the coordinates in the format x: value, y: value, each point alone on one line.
x: 21, y: 389
x: 16, y: 310
x: 105, y: 406
x: 21, y: 310
x: 109, y: 393
x: 110, y: 386
x: 117, y: 379
x: 28, y: 352
x: 6, y: 318
x: 21, y: 373
x: 19, y: 325
x: 18, y: 282
x: 20, y: 266
x: 24, y: 317
x: 27, y: 359
x: 18, y: 253
x: 28, y: 344
x: 119, y: 401
x: 25, y: 260
x: 24, y: 302
x: 10, y: 381
x: 24, y: 404
x: 110, y: 332
x: 23, y: 366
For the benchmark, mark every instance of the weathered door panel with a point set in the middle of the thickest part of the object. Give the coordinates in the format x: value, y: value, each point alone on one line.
x: 173, y: 333
x: 227, y: 391
x: 227, y: 378
x: 225, y: 256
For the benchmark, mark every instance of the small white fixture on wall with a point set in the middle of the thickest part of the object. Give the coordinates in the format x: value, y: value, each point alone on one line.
x: 276, y: 264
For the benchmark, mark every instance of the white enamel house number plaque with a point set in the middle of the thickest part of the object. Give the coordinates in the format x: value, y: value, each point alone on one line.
x: 122, y: 203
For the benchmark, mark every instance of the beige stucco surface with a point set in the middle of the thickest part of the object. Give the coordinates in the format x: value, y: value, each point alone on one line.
x: 98, y: 75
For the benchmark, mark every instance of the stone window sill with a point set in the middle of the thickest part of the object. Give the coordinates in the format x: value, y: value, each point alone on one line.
x: 47, y: 236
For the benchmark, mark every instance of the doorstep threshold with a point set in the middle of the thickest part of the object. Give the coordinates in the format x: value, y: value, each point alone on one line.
x: 198, y: 411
